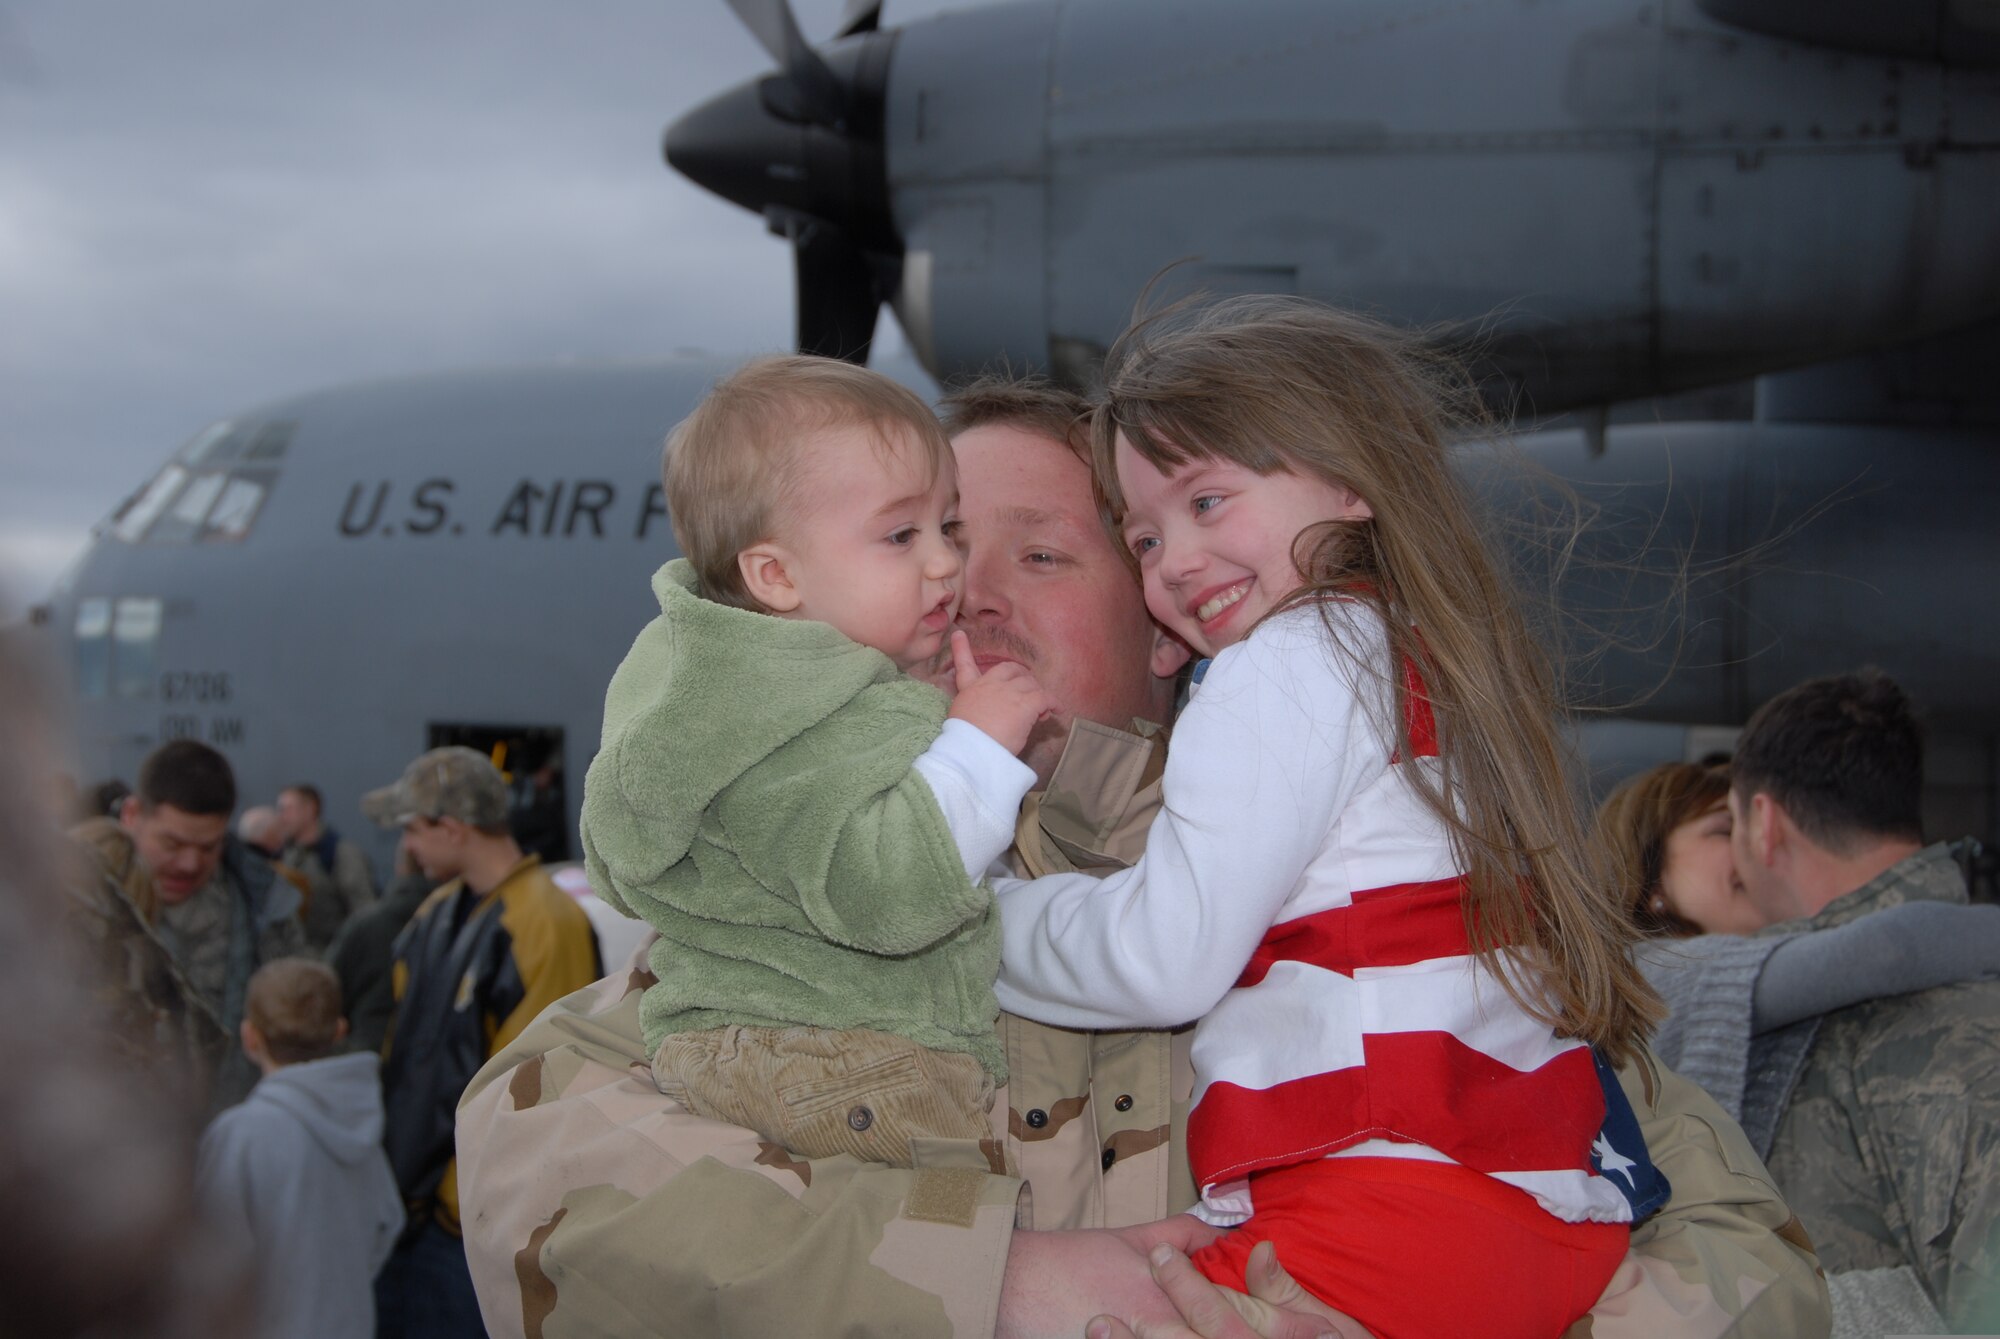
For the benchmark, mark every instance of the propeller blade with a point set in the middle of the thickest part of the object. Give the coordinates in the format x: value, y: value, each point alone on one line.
x: 860, y: 16
x: 820, y: 94
x: 837, y: 295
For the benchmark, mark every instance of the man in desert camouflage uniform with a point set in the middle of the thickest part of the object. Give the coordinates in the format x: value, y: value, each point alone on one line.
x: 178, y: 915
x: 595, y: 1206
x: 1881, y: 1120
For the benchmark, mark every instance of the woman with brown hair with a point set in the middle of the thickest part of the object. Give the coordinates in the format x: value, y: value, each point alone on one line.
x: 1665, y: 835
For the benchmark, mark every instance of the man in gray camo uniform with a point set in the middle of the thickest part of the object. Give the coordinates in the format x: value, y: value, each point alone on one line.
x: 1883, y: 1125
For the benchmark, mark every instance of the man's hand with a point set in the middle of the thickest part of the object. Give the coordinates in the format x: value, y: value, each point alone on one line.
x: 1004, y: 702
x: 1276, y: 1307
x: 1057, y: 1283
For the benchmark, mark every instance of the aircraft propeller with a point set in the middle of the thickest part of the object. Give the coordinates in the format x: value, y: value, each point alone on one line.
x: 804, y: 148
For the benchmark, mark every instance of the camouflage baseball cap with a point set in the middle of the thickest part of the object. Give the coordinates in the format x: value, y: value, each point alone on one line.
x: 452, y: 782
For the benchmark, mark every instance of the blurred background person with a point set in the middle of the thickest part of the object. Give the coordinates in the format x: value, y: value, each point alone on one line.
x: 100, y: 1235
x: 363, y: 954
x: 335, y: 868
x: 261, y: 830
x: 103, y: 799
x: 170, y: 863
x: 296, y: 1172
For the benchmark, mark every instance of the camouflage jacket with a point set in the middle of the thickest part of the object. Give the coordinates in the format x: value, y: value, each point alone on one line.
x: 144, y: 1004
x: 593, y: 1205
x: 1890, y: 1146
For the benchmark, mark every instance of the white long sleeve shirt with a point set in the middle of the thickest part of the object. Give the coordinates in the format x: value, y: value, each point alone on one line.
x: 1300, y: 899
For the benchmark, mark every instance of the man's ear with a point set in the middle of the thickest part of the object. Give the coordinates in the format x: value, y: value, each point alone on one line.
x: 1169, y: 653
x: 1768, y: 821
x: 767, y: 576
x: 129, y: 810
x: 252, y: 1039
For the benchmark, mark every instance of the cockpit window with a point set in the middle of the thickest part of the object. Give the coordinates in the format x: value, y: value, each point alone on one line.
x: 183, y: 520
x: 142, y: 510
x: 234, y: 511
x: 213, y: 490
x: 271, y: 440
x: 218, y: 441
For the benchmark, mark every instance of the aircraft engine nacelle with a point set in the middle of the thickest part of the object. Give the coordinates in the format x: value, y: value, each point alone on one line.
x: 1627, y: 200
x: 1729, y: 561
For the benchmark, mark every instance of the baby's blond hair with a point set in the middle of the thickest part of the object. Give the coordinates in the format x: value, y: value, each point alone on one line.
x: 733, y: 464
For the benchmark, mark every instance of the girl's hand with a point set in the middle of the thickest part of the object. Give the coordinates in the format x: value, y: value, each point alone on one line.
x: 1004, y: 702
x: 1276, y: 1307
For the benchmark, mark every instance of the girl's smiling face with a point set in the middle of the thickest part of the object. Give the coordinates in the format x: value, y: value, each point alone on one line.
x: 1214, y: 540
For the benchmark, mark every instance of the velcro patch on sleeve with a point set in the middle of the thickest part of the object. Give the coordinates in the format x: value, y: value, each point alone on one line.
x: 945, y: 1195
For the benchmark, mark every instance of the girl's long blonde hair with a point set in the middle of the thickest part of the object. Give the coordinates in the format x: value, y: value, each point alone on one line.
x: 1275, y: 383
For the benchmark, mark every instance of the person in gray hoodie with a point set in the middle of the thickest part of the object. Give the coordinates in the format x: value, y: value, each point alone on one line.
x: 296, y: 1171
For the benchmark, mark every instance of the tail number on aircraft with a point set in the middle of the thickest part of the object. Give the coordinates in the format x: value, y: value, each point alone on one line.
x: 559, y: 508
x: 200, y: 686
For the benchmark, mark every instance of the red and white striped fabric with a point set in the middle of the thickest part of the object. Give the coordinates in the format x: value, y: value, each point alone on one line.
x: 1301, y: 900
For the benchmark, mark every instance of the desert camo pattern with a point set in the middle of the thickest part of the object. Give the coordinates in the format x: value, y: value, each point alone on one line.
x: 1890, y: 1146
x: 595, y: 1206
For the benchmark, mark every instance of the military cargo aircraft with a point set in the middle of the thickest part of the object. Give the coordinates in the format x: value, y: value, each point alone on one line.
x: 1623, y: 200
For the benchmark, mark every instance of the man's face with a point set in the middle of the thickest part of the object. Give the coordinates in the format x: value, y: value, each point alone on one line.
x: 437, y: 845
x: 1762, y: 883
x: 1045, y: 588
x: 178, y: 848
x: 296, y: 815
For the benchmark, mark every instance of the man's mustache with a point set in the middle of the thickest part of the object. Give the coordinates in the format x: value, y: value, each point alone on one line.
x: 983, y: 641
x: 990, y: 640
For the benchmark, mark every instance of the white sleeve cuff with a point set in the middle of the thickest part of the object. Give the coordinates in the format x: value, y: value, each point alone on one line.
x: 979, y: 786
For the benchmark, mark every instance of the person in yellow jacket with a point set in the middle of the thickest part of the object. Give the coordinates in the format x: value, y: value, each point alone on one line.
x: 487, y: 951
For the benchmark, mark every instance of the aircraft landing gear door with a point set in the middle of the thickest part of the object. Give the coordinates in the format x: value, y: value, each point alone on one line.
x: 530, y: 757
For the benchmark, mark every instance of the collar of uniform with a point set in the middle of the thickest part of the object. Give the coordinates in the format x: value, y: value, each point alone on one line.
x: 1930, y: 875
x: 1099, y: 802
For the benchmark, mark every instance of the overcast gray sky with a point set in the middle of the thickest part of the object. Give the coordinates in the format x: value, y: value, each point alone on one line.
x: 205, y: 204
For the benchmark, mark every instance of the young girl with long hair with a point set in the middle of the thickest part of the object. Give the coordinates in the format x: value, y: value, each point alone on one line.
x: 1369, y: 878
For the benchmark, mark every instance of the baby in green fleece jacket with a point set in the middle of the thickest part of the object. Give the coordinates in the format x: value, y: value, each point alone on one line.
x: 805, y: 824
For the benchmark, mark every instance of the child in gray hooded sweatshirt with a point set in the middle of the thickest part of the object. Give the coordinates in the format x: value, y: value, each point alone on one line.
x: 296, y: 1172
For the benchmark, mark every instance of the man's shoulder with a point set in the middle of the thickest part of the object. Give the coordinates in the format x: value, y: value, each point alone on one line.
x: 1947, y: 1034
x: 108, y: 858
x: 530, y: 896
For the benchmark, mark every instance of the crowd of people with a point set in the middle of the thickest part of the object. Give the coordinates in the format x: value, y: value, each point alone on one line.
x: 1213, y: 955
x: 251, y: 972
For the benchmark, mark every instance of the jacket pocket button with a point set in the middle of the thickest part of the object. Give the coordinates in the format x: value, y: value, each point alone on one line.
x: 1124, y: 1102
x: 1037, y: 1118
x: 860, y: 1119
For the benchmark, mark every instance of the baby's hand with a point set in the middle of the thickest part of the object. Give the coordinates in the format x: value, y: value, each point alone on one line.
x: 1004, y: 701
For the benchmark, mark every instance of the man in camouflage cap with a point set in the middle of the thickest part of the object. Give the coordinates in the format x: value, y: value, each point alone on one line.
x: 597, y: 1206
x: 1880, y: 1120
x: 486, y: 952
